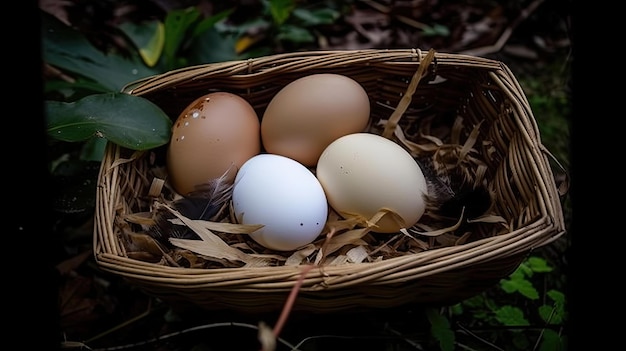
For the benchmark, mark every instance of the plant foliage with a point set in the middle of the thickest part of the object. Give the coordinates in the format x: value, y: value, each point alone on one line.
x: 134, y: 123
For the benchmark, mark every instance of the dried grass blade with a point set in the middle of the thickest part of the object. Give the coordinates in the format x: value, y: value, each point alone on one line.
x: 336, y: 242
x: 415, y: 147
x: 224, y: 227
x: 455, y: 131
x: 205, y: 248
x: 141, y: 218
x: 408, y: 96
x: 297, y: 257
x: 211, y: 245
x: 357, y: 254
x: 441, y: 231
x: 469, y: 143
x: 121, y: 161
x: 487, y: 219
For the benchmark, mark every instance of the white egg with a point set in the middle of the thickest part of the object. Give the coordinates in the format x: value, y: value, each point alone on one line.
x: 284, y: 196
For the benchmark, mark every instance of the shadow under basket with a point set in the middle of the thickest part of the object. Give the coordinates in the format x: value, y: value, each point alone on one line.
x: 467, y: 109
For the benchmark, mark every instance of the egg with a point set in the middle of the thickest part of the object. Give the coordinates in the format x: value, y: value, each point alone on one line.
x: 282, y: 195
x: 310, y: 112
x: 362, y: 173
x: 214, y: 135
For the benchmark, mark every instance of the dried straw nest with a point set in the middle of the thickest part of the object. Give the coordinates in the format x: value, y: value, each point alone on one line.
x: 467, y: 117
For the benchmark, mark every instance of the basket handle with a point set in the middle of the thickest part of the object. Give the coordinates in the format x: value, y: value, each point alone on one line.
x: 404, y: 103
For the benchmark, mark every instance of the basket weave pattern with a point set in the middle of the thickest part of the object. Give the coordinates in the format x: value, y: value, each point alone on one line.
x: 482, y: 92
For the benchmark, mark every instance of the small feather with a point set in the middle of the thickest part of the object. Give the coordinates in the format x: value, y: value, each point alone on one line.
x: 451, y: 196
x: 205, y: 203
x: 437, y: 183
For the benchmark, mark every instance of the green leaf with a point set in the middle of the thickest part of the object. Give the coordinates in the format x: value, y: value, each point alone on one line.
x: 211, y: 46
x: 550, y: 314
x: 440, y: 329
x: 129, y: 121
x: 554, y: 314
x: 551, y: 341
x: 316, y: 17
x: 539, y: 265
x: 474, y: 301
x: 177, y: 23
x: 281, y: 10
x: 511, y: 316
x: 93, y: 149
x: 522, y: 286
x: 209, y: 23
x: 456, y: 309
x: 80, y: 85
x: 295, y: 34
x: 522, y: 271
x: 67, y: 49
x: 148, y: 37
x: 490, y: 304
x: 436, y: 30
x: 557, y: 296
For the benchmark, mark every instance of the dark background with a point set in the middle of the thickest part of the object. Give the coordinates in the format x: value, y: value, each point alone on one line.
x: 34, y: 281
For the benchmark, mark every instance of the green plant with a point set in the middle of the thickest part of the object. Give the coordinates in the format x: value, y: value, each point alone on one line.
x: 282, y: 25
x: 89, y: 108
x: 84, y: 104
x: 515, y: 316
x: 184, y: 37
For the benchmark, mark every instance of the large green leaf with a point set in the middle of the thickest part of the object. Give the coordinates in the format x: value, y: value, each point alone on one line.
x: 127, y: 120
x: 66, y: 48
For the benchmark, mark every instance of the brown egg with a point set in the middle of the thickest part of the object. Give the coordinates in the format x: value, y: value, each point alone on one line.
x: 216, y: 133
x: 310, y: 113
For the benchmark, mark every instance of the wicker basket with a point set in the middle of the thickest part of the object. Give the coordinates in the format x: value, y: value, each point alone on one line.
x: 480, y: 91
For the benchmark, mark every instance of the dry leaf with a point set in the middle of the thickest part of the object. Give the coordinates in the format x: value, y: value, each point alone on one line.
x: 357, y: 254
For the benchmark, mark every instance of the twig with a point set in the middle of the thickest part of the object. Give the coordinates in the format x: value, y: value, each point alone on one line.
x: 291, y: 300
x: 543, y: 329
x: 188, y: 330
x: 130, y: 321
x: 479, y: 338
x: 407, y: 340
x: 506, y: 34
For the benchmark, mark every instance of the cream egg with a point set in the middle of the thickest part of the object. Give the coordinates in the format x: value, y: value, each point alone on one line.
x: 362, y: 173
x: 282, y: 195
